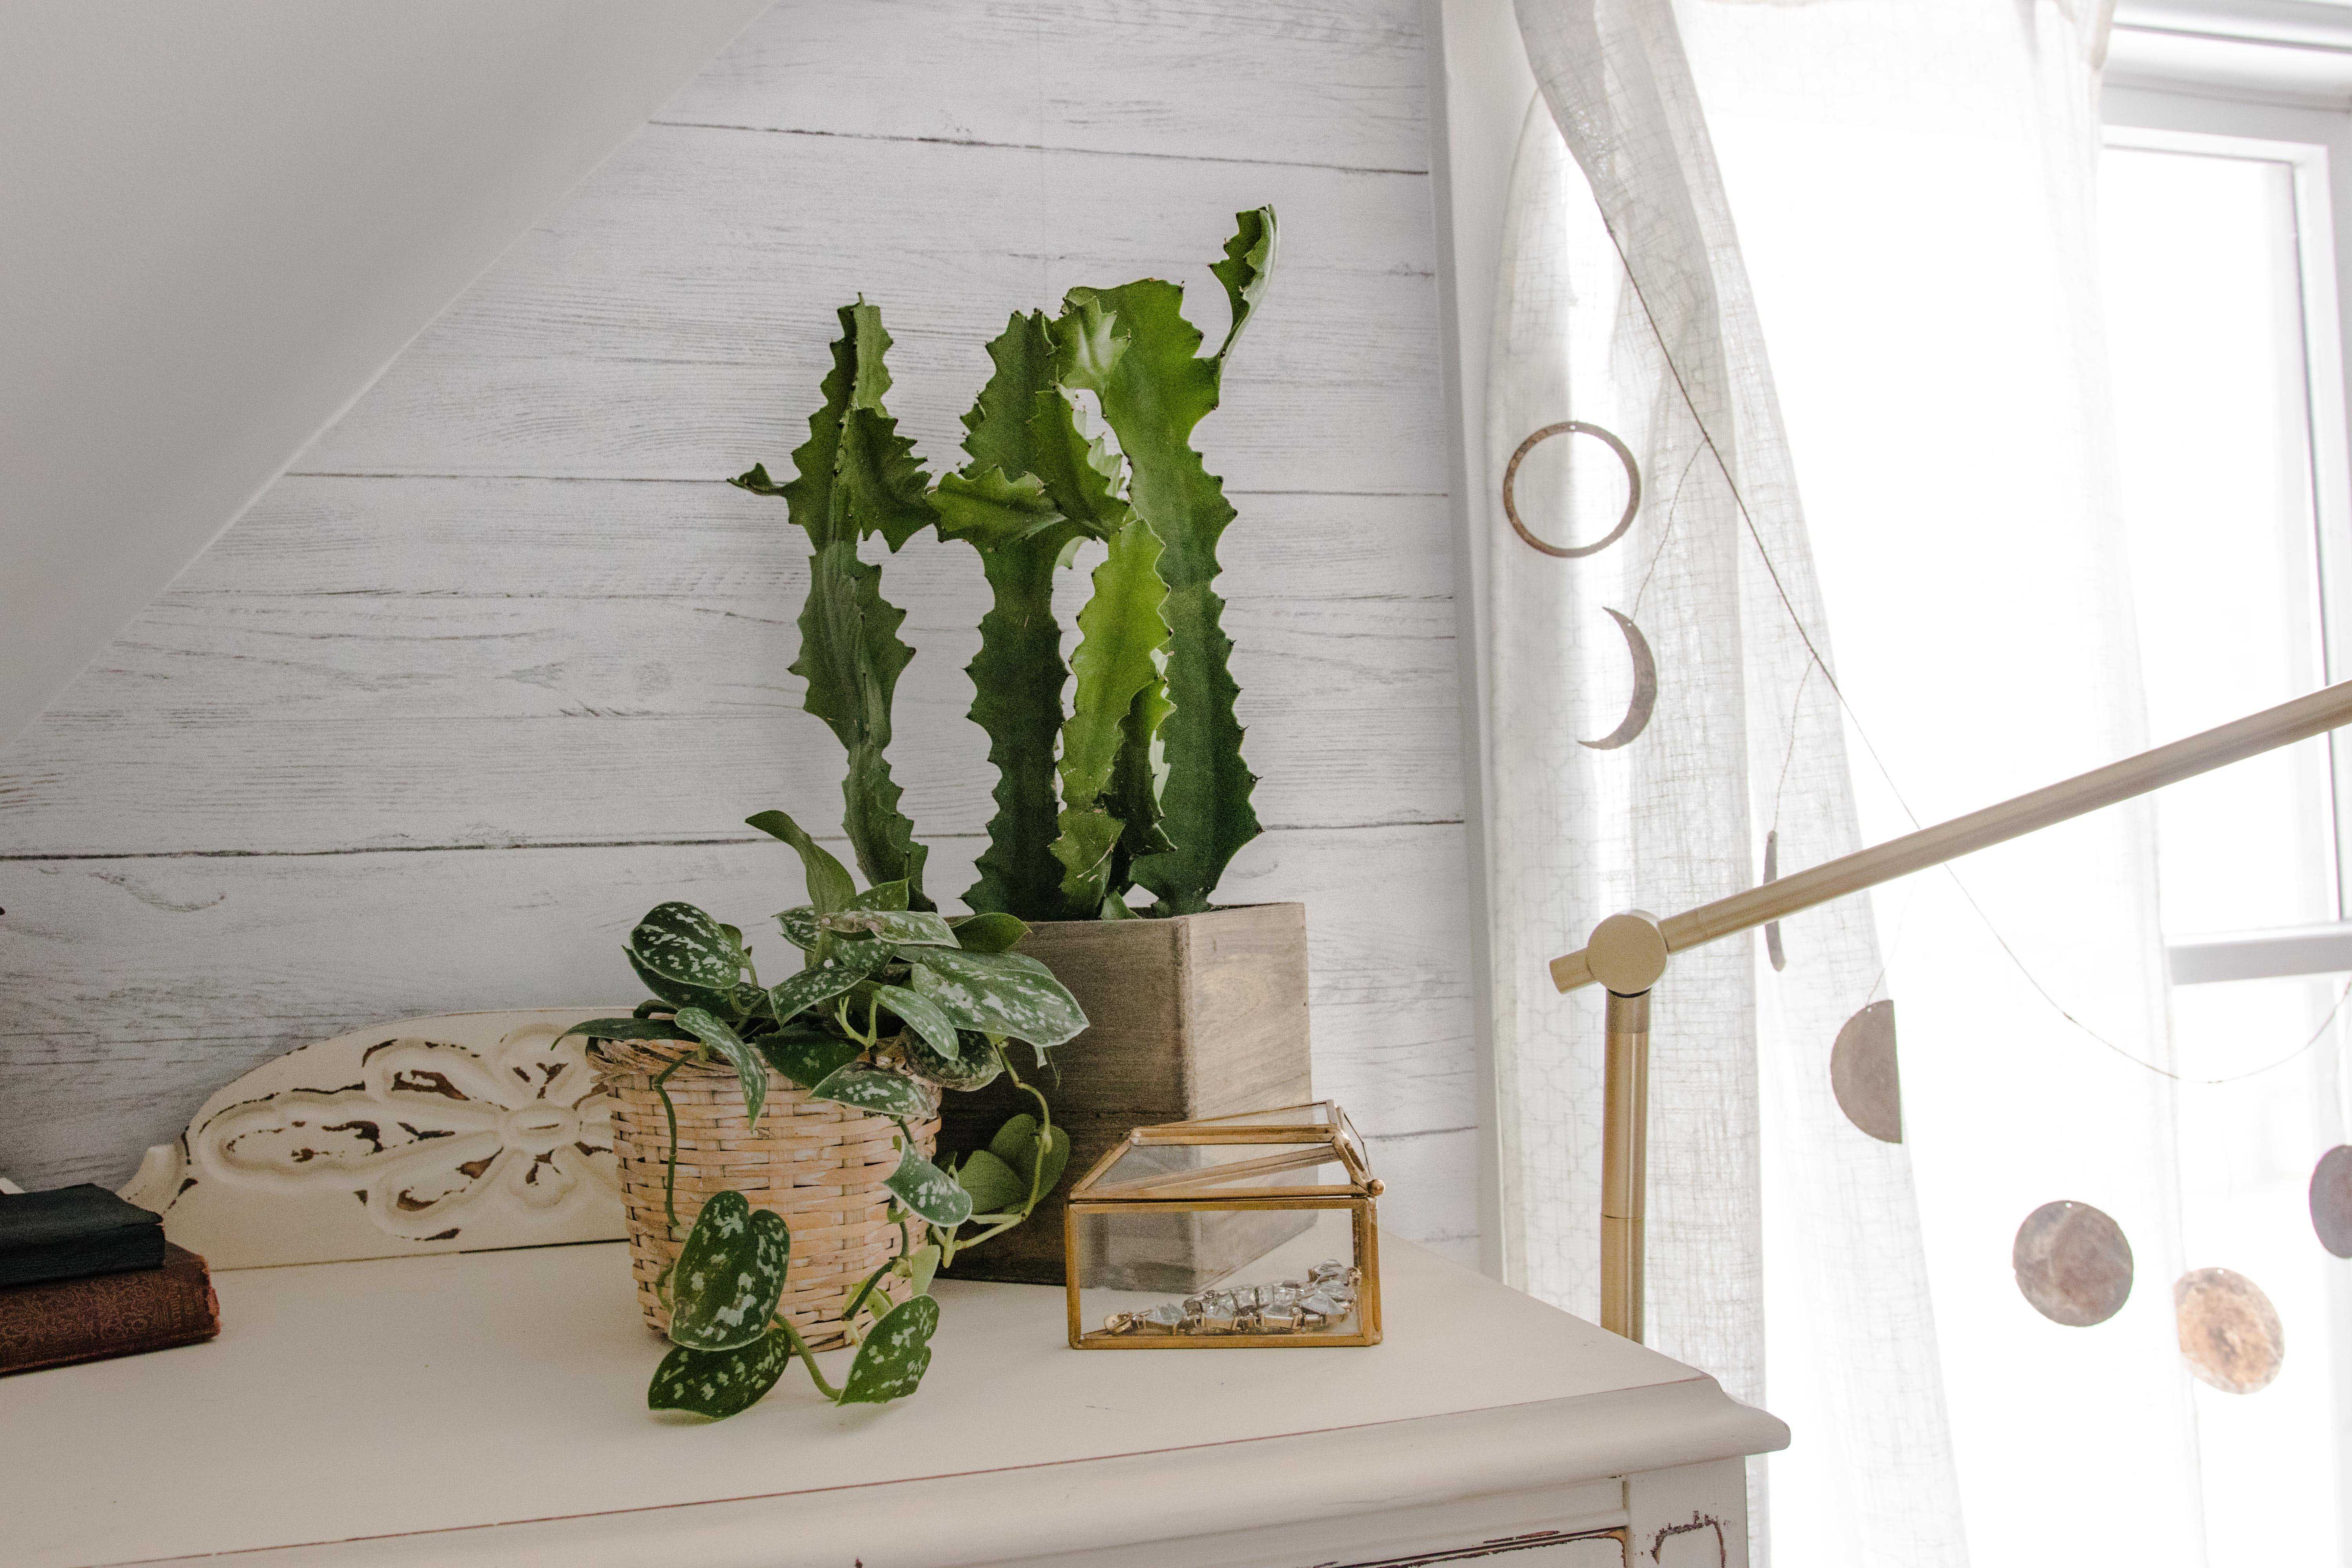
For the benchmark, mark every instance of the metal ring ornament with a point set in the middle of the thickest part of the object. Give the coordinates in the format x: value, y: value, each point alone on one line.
x: 1633, y: 489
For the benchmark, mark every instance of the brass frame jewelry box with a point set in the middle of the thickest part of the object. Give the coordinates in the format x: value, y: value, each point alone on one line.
x: 1255, y: 1230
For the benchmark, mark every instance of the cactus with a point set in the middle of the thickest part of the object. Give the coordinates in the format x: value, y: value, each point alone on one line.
x: 1153, y: 791
x: 856, y: 476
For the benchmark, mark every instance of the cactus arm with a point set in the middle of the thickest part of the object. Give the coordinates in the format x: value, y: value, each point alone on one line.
x: 856, y: 476
x: 1121, y: 635
x: 1135, y: 781
x: 1017, y: 680
x: 1159, y: 390
x: 1061, y: 488
x: 1248, y: 263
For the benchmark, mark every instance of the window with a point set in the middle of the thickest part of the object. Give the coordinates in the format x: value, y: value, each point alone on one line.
x: 2219, y: 259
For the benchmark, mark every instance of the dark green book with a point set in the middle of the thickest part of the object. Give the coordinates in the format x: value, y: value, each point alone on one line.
x: 75, y: 1231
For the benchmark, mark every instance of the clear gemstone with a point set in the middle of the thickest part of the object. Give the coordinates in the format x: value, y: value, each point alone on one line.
x: 1166, y: 1315
x: 1329, y: 1268
x: 1283, y: 1318
x: 1323, y: 1304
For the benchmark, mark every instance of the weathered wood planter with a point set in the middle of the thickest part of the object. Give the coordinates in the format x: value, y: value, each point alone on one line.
x: 1197, y: 1016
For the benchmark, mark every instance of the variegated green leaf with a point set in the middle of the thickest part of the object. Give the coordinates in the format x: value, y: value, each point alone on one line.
x: 977, y: 1066
x: 719, y: 1383
x: 738, y: 1003
x: 686, y: 946
x: 830, y: 886
x: 729, y: 1274
x: 923, y: 1015
x: 864, y: 1087
x: 920, y: 926
x: 723, y: 1042
x: 845, y: 966
x: 807, y: 1059
x: 991, y: 933
x: 881, y: 896
x: 891, y: 1363
x: 995, y: 1186
x: 627, y: 1029
x: 799, y: 925
x: 929, y: 1191
x: 997, y: 993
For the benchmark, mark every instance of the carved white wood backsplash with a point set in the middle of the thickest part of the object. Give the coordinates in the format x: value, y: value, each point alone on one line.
x: 456, y: 1133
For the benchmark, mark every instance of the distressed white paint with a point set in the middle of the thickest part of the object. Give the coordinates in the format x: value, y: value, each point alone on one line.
x: 453, y: 1133
x: 501, y: 663
x: 220, y: 218
x: 502, y: 1398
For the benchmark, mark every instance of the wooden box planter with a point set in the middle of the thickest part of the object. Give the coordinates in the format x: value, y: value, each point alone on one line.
x: 1196, y: 1015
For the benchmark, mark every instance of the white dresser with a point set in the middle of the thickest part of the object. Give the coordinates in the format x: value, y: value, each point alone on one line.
x: 489, y: 1407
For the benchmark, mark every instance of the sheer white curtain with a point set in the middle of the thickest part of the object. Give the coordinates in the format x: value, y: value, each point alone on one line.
x: 1898, y: 201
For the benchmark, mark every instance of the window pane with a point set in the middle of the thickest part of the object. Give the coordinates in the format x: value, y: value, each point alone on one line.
x: 2205, y: 328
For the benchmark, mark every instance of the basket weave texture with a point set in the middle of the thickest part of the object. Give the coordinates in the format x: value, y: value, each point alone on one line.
x: 818, y: 1164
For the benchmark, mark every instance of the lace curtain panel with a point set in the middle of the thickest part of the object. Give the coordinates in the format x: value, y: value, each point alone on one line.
x: 1898, y: 204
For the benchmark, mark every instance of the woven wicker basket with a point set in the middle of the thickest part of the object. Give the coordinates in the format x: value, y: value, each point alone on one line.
x: 819, y: 1164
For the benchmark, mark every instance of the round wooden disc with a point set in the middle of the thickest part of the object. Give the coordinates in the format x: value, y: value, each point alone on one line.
x: 2331, y: 1200
x: 2230, y: 1333
x: 2073, y: 1264
x: 1863, y: 1076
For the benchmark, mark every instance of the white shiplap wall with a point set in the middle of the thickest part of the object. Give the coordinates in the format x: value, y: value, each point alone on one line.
x: 501, y: 663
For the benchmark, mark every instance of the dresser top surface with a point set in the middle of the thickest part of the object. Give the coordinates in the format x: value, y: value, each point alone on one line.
x: 386, y: 1398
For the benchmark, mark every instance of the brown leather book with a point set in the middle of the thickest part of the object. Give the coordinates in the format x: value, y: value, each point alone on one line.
x: 57, y: 1322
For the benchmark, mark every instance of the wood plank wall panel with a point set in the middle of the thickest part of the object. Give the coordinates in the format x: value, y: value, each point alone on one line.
x: 502, y: 663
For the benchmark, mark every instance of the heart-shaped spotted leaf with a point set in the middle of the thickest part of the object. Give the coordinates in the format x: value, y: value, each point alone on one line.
x: 930, y: 1191
x: 845, y: 966
x: 627, y: 1029
x: 917, y: 926
x: 976, y: 1069
x: 729, y: 1275
x: 750, y: 1069
x: 891, y: 1363
x: 882, y: 896
x: 924, y: 1017
x: 864, y: 1087
x: 719, y: 1383
x: 997, y: 993
x: 682, y: 945
x: 808, y: 1060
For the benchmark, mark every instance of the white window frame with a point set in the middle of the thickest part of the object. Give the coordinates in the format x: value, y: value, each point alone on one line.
x: 2258, y: 81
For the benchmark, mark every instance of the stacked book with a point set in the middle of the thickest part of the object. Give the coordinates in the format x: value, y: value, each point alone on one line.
x: 85, y: 1275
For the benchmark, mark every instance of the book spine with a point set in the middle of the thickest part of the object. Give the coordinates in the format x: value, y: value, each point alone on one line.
x: 61, y: 1321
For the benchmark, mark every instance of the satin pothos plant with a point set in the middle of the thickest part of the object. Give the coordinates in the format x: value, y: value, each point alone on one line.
x: 890, y: 1006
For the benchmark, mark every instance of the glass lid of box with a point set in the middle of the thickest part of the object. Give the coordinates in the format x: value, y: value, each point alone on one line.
x: 1302, y: 1150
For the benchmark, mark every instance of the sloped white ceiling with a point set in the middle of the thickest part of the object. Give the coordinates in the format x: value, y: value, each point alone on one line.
x: 220, y: 219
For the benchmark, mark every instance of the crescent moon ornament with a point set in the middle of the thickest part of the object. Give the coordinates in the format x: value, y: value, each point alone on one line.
x: 1645, y: 688
x: 1633, y: 489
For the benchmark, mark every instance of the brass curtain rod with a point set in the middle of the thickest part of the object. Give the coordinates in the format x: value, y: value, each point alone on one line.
x: 1627, y: 953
